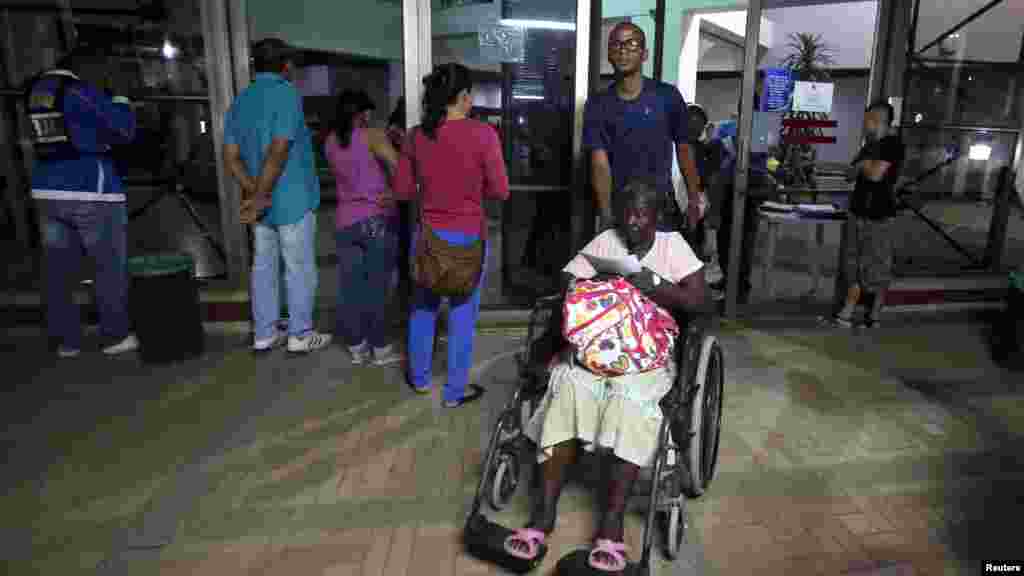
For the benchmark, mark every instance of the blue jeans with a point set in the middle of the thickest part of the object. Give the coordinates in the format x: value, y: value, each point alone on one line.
x: 99, y: 230
x: 462, y: 317
x: 366, y: 260
x: 295, y: 244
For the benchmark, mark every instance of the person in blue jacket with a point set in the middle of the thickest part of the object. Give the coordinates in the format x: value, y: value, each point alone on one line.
x: 82, y: 202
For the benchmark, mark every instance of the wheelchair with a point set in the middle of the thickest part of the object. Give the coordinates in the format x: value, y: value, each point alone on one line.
x: 684, y: 465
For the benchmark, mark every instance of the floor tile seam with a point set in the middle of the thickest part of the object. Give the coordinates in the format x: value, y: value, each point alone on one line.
x: 197, y: 472
x: 297, y: 449
x: 409, y: 432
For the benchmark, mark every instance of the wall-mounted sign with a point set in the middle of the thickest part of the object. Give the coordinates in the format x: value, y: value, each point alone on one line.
x: 778, y: 87
x: 813, y: 97
x: 501, y: 44
x: 446, y: 4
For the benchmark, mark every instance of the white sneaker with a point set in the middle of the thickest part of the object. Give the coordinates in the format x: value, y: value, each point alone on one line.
x: 386, y: 356
x: 360, y: 354
x: 270, y: 343
x: 129, y: 344
x: 313, y: 341
x: 65, y: 352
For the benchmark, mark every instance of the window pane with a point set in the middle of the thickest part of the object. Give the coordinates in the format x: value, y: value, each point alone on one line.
x: 995, y: 36
x: 956, y: 199
x: 977, y: 95
x: 154, y: 56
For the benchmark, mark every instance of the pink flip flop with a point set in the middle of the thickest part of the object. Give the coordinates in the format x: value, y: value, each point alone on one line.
x: 616, y: 550
x: 533, y: 538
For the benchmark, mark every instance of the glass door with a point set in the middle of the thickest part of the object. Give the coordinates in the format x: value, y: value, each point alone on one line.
x: 523, y: 54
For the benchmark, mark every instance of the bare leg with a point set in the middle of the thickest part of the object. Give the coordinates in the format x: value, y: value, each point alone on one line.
x: 545, y: 501
x: 620, y: 487
x: 552, y: 478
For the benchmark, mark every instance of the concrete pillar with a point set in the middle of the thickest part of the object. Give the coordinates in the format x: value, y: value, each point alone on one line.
x: 216, y: 42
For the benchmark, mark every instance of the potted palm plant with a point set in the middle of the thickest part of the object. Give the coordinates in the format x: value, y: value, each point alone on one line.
x: 808, y: 60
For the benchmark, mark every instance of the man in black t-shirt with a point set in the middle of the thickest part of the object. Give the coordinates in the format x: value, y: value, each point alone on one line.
x: 868, y: 253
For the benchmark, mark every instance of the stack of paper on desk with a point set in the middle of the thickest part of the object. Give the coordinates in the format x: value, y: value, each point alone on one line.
x: 817, y: 208
x: 777, y: 206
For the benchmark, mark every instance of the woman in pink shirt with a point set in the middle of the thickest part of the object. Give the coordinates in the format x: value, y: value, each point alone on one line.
x: 365, y: 229
x: 457, y: 162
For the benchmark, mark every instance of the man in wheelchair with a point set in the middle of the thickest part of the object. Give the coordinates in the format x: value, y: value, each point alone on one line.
x: 586, y: 406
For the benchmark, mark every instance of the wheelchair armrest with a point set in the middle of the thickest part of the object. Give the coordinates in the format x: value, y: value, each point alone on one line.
x: 687, y: 357
x: 547, y: 301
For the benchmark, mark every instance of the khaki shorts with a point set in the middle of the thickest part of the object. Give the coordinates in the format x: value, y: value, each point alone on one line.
x: 868, y: 255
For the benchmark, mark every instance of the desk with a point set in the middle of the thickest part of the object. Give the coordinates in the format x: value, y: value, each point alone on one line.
x: 815, y: 228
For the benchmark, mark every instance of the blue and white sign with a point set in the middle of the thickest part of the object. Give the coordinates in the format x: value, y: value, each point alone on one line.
x: 778, y: 85
x: 813, y: 97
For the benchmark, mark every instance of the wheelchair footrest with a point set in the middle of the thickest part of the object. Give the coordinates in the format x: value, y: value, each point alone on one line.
x: 486, y: 540
x: 577, y: 563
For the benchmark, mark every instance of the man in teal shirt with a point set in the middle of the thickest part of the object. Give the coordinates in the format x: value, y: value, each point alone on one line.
x: 269, y: 151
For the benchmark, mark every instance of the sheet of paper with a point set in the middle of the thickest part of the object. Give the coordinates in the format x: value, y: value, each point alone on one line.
x: 822, y: 208
x: 626, y: 266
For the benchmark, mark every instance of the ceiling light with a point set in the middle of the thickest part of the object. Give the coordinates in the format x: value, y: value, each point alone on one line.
x: 980, y: 152
x: 170, y: 51
x: 538, y: 24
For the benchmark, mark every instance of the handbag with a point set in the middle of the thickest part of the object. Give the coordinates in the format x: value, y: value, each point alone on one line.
x: 616, y: 330
x: 446, y: 269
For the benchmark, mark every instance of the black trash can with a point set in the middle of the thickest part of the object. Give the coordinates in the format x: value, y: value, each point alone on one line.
x: 1009, y: 348
x: 1015, y: 312
x: 164, y: 304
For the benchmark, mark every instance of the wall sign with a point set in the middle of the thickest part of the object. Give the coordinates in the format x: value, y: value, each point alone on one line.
x: 778, y: 87
x: 501, y: 44
x: 813, y: 97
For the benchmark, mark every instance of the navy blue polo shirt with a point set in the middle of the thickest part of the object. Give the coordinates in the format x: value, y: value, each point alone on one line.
x: 639, y: 135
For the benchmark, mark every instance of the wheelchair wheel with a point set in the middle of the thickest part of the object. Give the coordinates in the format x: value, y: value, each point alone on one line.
x: 705, y: 420
x: 504, y: 481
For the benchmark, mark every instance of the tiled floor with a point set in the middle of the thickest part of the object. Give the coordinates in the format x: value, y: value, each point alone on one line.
x: 892, y: 452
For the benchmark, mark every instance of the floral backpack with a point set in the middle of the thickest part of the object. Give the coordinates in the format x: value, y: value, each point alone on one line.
x: 615, y: 330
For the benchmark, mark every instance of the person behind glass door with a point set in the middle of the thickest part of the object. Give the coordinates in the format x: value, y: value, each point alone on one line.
x: 456, y: 162
x: 760, y: 184
x: 268, y: 149
x: 707, y: 154
x: 633, y: 129
x: 868, y: 246
x: 401, y: 281
x: 80, y: 195
x: 366, y: 221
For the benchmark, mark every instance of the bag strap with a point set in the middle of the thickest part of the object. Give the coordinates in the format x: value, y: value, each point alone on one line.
x: 416, y: 176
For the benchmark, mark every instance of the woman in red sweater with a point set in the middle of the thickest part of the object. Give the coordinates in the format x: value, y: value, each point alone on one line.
x: 457, y: 162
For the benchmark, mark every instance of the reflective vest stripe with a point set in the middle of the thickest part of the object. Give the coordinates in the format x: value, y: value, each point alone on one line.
x: 78, y: 196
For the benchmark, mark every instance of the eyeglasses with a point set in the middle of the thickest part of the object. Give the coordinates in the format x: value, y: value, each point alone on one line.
x: 630, y: 45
